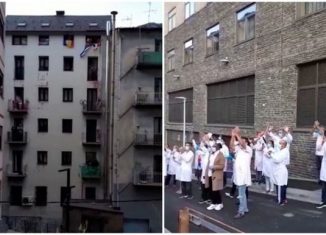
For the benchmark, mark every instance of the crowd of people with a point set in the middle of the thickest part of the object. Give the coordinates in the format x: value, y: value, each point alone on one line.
x: 207, y: 159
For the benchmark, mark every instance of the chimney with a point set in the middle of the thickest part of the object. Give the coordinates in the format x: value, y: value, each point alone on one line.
x: 60, y: 13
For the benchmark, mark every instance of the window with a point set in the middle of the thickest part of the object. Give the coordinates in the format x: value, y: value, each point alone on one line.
x: 92, y: 67
x: 67, y: 95
x: 42, y: 125
x: 212, y: 39
x: 171, y: 60
x: 158, y: 45
x: 43, y: 63
x: 63, y: 194
x: 19, y: 67
x: 68, y: 41
x: 307, y: 8
x: 176, y: 106
x: 41, y: 195
x: 171, y: 19
x: 42, y: 157
x: 246, y: 23
x: 43, y: 94
x: 311, y: 97
x: 17, y: 161
x: 66, y: 125
x: 66, y: 158
x: 68, y: 63
x: 19, y: 40
x: 231, y: 102
x: 16, y: 195
x: 90, y: 40
x: 1, y: 84
x: 90, y: 193
x: 90, y: 157
x: 189, y: 9
x: 43, y: 40
x: 188, y: 52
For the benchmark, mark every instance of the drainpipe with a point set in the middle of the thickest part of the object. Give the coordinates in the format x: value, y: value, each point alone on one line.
x: 112, y: 158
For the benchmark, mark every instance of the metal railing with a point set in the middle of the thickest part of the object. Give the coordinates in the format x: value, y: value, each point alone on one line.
x: 90, y: 172
x: 145, y: 177
x: 88, y: 139
x: 18, y: 106
x: 16, y: 172
x: 148, y: 98
x: 150, y: 58
x: 17, y: 136
x: 92, y: 107
x: 146, y: 139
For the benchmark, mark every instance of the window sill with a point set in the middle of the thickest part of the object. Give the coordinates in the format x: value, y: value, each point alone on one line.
x: 178, y: 123
x: 209, y: 55
x: 302, y: 130
x: 230, y: 126
x: 299, y: 18
x: 188, y: 64
x: 170, y: 71
x: 243, y: 42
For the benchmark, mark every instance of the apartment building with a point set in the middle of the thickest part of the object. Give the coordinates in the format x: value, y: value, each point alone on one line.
x: 138, y: 119
x: 2, y: 102
x: 54, y: 93
x: 248, y: 64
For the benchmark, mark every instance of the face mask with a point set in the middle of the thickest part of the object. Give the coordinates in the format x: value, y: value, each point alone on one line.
x: 211, y: 142
x: 214, y: 150
x: 187, y: 148
x: 269, y: 145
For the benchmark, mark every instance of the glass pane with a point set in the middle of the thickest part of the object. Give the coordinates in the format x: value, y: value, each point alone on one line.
x: 306, y: 107
x: 322, y: 72
x: 250, y: 110
x: 307, y: 75
x: 240, y: 31
x: 251, y: 27
x: 241, y: 114
x: 251, y: 84
x: 321, y: 116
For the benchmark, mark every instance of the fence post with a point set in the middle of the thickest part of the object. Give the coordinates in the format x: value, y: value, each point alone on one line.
x: 184, y: 221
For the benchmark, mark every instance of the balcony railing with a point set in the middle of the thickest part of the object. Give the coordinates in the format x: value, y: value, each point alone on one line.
x: 148, y: 140
x: 148, y: 98
x: 92, y: 107
x: 147, y: 178
x: 90, y: 172
x: 18, y: 173
x: 17, y: 136
x: 16, y: 106
x: 149, y: 59
x: 94, y: 140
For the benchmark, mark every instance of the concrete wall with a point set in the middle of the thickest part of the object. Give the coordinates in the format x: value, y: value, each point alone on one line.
x: 55, y: 110
x: 282, y: 40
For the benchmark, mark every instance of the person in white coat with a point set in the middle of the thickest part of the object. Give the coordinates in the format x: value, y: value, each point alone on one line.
x: 283, y: 134
x: 167, y: 155
x: 259, y: 146
x: 322, y: 176
x: 186, y: 172
x: 280, y: 172
x: 318, y: 134
x: 171, y: 168
x: 176, y: 157
x: 241, y: 170
x: 205, y: 192
x: 268, y: 166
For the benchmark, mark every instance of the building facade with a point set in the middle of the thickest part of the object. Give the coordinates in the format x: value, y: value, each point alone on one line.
x: 251, y: 65
x: 55, y: 107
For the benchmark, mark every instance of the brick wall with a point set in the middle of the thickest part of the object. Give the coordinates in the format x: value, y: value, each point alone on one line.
x: 282, y: 40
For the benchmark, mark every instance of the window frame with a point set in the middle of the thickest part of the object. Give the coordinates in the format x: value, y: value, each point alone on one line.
x: 42, y: 128
x: 43, y: 94
x: 19, y: 71
x: 66, y: 69
x: 171, y: 64
x: 89, y: 72
x: 172, y: 16
x: 44, y: 198
x: 245, y: 28
x: 67, y: 95
x: 46, y: 43
x: 190, y: 48
x: 64, y: 127
x: 66, y: 154
x: 218, y: 43
x: 21, y: 40
x: 191, y: 9
x: 43, y: 63
x: 42, y: 158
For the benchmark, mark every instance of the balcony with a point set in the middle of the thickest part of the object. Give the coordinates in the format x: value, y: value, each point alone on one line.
x: 18, y: 107
x: 16, y: 174
x: 148, y: 99
x: 147, y: 140
x: 147, y: 178
x: 149, y: 59
x: 92, y: 108
x: 17, y: 137
x: 92, y: 139
x: 90, y: 172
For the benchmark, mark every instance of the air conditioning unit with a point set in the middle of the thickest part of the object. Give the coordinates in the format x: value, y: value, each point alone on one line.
x: 27, y: 201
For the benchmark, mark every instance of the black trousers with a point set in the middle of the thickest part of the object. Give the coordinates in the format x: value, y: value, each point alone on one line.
x: 281, y: 193
x: 205, y: 195
x: 323, y: 192
x: 259, y: 176
x: 216, y: 197
x: 168, y: 179
x: 224, y: 178
x: 318, y: 163
x: 186, y: 188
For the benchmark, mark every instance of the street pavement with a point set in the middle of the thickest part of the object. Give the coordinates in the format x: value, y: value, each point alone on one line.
x: 265, y: 215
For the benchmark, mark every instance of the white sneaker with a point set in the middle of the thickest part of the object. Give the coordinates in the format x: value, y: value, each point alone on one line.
x: 211, y: 207
x: 219, y: 207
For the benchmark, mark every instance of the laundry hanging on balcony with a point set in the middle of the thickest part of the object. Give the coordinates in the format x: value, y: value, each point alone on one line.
x: 90, y: 44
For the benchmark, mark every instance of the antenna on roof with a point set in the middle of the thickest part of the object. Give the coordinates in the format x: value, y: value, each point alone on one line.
x: 149, y: 11
x: 128, y: 19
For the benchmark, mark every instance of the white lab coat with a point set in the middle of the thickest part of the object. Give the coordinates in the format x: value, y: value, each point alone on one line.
x: 288, y: 138
x: 241, y: 167
x: 167, y: 155
x: 172, y: 164
x: 319, y: 151
x: 322, y: 147
x: 280, y: 172
x: 177, y: 165
x: 259, y: 146
x: 268, y: 162
x: 226, y: 152
x: 186, y: 166
x: 204, y: 164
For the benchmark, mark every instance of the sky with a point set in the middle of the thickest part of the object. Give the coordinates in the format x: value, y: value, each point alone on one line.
x: 131, y: 13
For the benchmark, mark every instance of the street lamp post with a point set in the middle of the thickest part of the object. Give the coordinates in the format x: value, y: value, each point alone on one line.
x: 184, y: 118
